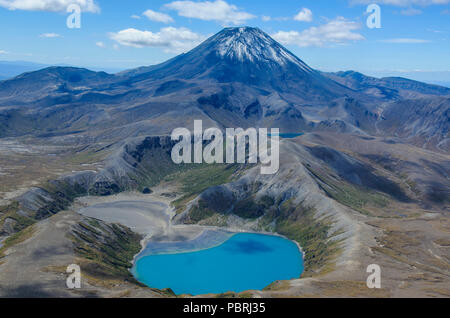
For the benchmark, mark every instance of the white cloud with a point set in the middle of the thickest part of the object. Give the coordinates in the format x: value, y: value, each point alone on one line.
x: 49, y: 5
x: 436, y: 31
x: 337, y: 31
x: 100, y: 44
x: 402, y: 3
x: 218, y: 10
x: 3, y: 52
x: 305, y: 15
x: 50, y: 35
x: 135, y: 16
x: 267, y: 18
x: 171, y: 39
x: 411, y: 11
x: 406, y: 41
x: 158, y: 16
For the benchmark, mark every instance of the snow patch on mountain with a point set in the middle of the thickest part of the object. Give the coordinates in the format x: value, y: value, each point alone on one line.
x: 252, y: 44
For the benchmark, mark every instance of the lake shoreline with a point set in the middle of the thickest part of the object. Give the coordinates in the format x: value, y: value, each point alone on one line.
x: 245, y: 261
x: 168, y: 238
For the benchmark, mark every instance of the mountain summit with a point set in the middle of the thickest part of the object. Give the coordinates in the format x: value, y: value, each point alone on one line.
x: 247, y: 56
x: 248, y: 44
x: 239, y: 77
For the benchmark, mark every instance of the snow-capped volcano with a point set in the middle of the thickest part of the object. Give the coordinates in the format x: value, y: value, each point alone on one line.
x: 239, y: 77
x: 253, y: 45
x: 241, y: 55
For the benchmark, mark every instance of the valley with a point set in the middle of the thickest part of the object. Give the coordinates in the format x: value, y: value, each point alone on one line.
x: 87, y: 176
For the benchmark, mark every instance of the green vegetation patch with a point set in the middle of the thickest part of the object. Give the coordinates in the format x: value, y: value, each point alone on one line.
x: 355, y: 197
x: 200, y: 212
x: 252, y: 208
x: 196, y: 180
x: 11, y: 212
x: 278, y: 285
x: 63, y: 194
x: 16, y: 238
x: 249, y: 209
x: 299, y: 224
x: 109, y: 249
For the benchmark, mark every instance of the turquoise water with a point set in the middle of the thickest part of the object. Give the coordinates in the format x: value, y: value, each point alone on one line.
x: 288, y: 135
x: 245, y: 261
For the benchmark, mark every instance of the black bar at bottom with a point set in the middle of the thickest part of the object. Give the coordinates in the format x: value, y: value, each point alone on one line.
x: 227, y: 307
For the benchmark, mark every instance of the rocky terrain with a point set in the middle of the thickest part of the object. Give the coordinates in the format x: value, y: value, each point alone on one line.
x: 367, y: 182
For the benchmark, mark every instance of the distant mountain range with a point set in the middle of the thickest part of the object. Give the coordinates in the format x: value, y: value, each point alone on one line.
x: 239, y: 77
x: 442, y: 83
x: 9, y: 69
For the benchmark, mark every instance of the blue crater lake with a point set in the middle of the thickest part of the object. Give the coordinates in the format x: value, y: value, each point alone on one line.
x: 288, y: 135
x: 243, y: 262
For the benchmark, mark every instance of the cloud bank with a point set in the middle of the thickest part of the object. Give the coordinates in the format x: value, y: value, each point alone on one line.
x: 158, y: 16
x: 406, y: 41
x: 337, y: 31
x: 173, y: 40
x: 50, y: 35
x: 218, y: 10
x: 49, y: 5
x: 403, y: 3
x: 305, y: 15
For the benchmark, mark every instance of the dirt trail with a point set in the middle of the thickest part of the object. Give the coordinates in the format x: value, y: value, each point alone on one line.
x: 25, y: 272
x: 37, y: 266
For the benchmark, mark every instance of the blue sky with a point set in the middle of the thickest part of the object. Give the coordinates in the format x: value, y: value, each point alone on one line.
x: 413, y: 41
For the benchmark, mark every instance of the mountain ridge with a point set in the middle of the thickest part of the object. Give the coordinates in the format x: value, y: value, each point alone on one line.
x: 238, y: 77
